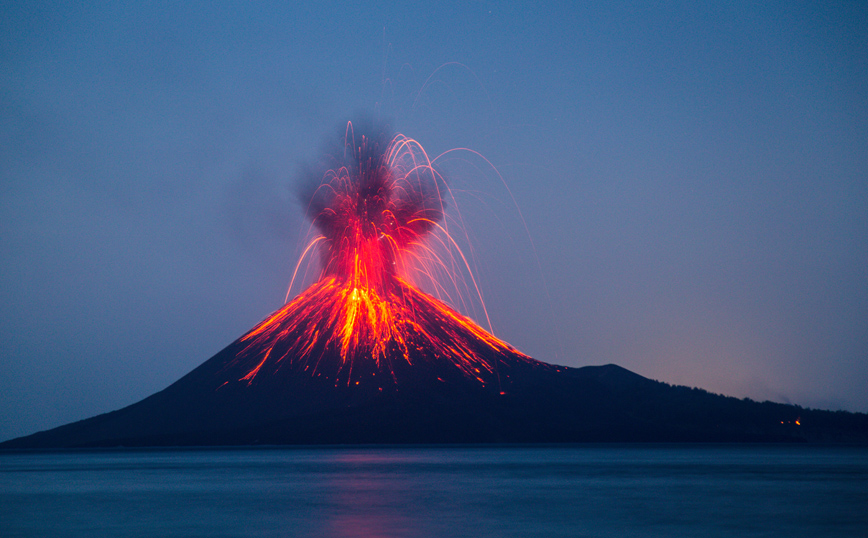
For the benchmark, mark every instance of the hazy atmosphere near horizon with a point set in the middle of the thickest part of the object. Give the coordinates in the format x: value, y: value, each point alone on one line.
x: 690, y: 183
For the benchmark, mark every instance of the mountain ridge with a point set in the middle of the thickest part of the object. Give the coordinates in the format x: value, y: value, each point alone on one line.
x: 542, y: 403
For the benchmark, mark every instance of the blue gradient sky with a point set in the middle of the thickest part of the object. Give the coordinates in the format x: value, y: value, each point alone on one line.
x: 694, y: 181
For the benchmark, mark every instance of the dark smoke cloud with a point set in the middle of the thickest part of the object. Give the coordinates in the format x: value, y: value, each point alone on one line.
x: 355, y: 181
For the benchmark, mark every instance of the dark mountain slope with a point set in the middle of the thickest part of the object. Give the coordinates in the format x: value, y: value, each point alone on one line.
x: 533, y: 403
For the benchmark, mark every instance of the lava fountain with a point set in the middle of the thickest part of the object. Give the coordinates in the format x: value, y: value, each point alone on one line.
x: 376, y: 215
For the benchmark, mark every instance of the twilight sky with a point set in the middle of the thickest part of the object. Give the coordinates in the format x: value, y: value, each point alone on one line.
x: 694, y: 182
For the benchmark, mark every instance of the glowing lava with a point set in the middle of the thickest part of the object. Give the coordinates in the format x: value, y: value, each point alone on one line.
x: 374, y: 210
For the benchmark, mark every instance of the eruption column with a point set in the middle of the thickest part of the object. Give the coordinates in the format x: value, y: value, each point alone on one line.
x: 374, y: 207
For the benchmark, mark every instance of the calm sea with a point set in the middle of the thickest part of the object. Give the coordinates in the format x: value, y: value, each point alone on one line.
x: 571, y: 491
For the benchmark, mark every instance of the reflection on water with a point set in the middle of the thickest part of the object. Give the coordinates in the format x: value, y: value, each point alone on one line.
x: 363, y: 492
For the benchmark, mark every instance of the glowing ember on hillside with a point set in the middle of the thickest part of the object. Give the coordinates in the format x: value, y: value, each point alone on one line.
x: 375, y: 209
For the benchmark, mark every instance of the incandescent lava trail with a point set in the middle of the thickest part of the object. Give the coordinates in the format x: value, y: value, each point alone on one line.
x: 377, y: 210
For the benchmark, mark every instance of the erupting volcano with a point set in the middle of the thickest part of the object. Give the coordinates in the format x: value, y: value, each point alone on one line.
x: 363, y: 355
x: 375, y: 211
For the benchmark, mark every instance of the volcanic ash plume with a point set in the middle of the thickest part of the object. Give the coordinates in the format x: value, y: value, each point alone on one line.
x: 377, y: 209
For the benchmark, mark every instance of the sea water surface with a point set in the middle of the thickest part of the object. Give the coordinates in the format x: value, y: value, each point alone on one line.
x: 594, y: 490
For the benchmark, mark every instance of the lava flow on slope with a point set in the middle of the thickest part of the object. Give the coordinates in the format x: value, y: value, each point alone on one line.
x: 377, y: 212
